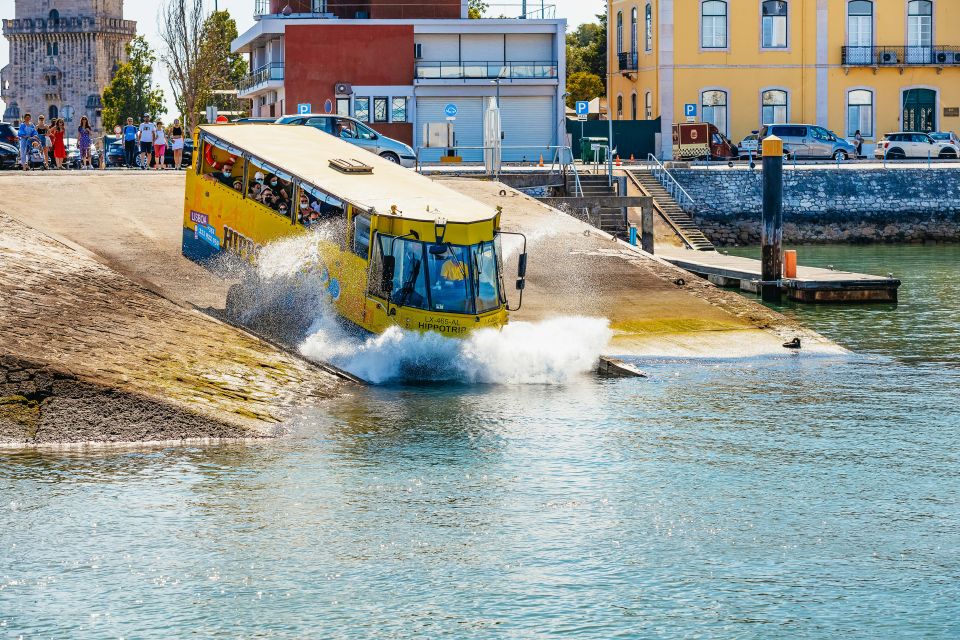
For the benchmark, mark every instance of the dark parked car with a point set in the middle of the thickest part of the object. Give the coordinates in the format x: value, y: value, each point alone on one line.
x: 115, y: 155
x: 8, y: 134
x: 9, y: 156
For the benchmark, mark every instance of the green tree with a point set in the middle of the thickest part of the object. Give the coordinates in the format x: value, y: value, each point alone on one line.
x: 587, y: 49
x: 132, y: 93
x: 476, y: 9
x: 584, y: 86
x: 224, y: 68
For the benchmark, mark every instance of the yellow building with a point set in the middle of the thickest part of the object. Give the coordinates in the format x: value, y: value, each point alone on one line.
x: 871, y: 65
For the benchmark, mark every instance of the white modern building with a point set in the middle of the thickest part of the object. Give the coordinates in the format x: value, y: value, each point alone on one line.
x: 400, y: 74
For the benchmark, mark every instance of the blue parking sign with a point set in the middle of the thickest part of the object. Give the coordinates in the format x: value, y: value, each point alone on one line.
x: 304, y: 108
x: 583, y: 107
x: 690, y: 110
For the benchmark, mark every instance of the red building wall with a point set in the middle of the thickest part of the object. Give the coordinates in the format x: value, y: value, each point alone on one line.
x: 320, y: 56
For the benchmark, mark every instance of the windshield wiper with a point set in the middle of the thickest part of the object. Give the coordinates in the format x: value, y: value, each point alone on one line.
x: 408, y: 286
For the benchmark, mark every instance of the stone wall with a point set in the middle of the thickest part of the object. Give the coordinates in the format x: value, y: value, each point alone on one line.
x: 825, y: 205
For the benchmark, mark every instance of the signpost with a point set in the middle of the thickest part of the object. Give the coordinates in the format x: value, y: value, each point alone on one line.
x: 583, y: 109
x: 690, y: 110
x: 451, y: 111
x: 304, y: 108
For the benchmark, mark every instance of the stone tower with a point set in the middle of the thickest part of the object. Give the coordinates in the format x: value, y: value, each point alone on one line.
x: 63, y: 53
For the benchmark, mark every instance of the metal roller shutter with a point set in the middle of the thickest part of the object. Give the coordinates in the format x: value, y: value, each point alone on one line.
x: 530, y: 123
x: 468, y: 125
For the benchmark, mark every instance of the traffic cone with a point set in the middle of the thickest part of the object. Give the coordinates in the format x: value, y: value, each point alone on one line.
x: 541, y: 159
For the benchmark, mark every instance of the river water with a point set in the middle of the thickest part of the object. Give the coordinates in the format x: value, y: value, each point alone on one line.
x: 795, y: 497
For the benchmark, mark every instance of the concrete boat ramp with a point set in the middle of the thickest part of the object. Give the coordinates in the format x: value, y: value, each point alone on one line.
x: 102, y: 338
x: 812, y: 284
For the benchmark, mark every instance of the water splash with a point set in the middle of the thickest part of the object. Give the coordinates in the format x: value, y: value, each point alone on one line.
x: 549, y: 352
x: 288, y: 300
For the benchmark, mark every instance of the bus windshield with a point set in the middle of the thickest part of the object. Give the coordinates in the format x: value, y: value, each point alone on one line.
x: 440, y: 277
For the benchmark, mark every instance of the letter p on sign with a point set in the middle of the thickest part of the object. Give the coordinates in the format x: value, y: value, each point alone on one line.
x: 304, y: 108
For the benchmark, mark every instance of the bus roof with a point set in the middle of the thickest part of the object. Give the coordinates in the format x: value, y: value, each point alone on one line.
x: 306, y: 152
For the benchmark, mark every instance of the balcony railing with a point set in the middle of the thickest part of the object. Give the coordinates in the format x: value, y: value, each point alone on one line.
x: 932, y: 56
x: 628, y: 61
x: 487, y: 70
x: 266, y: 73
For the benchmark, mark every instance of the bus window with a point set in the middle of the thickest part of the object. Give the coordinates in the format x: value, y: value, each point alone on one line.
x: 361, y: 235
x: 450, y: 273
x: 221, y: 163
x: 270, y: 187
x: 316, y: 207
x: 409, y: 285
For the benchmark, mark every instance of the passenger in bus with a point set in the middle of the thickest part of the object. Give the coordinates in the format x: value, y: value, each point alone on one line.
x: 282, y: 209
x: 225, y: 175
x: 256, y: 187
x: 268, y: 198
x: 238, y: 185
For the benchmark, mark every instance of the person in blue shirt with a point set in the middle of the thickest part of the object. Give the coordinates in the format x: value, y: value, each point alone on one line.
x: 130, y: 144
x: 28, y: 134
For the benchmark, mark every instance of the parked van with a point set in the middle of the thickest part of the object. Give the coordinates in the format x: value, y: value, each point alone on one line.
x: 809, y: 141
x: 701, y: 141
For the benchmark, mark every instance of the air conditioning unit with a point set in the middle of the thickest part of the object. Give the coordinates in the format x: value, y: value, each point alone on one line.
x: 418, y: 51
x: 889, y: 57
x: 956, y: 57
x: 942, y: 57
x: 343, y: 89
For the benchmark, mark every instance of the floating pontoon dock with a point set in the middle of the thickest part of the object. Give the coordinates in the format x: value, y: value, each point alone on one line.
x: 812, y: 284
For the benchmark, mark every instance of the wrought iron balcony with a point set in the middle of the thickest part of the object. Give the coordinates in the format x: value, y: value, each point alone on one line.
x: 263, y: 75
x: 486, y: 70
x: 932, y: 56
x: 628, y: 61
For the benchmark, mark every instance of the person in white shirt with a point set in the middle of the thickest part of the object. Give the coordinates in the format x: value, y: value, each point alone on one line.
x: 145, y: 135
x: 160, y: 146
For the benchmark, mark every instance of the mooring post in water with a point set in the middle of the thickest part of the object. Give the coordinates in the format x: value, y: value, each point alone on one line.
x: 771, y: 235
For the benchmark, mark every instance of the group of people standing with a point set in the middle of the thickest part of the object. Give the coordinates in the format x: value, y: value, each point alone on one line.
x: 50, y: 139
x: 150, y: 140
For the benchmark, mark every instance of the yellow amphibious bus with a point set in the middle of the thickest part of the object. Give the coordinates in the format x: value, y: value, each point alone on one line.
x: 396, y: 248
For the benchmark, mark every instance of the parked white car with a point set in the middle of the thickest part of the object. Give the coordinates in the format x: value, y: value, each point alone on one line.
x: 910, y: 144
x: 946, y: 136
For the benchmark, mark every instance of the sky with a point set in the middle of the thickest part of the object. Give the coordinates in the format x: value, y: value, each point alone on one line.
x: 145, y: 13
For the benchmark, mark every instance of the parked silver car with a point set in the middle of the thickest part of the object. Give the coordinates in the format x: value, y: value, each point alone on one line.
x: 809, y: 141
x: 356, y: 132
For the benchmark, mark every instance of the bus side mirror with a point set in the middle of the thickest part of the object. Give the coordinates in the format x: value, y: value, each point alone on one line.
x: 386, y: 275
x: 522, y: 267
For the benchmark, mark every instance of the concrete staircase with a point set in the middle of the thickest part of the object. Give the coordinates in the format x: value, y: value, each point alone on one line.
x: 610, y: 220
x: 670, y: 211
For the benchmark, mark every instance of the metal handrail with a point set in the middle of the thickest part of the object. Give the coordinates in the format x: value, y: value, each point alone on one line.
x: 666, y: 179
x: 486, y: 70
x: 899, y: 56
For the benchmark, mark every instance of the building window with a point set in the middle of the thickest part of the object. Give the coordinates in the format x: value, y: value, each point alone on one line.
x: 53, y: 48
x: 919, y: 31
x: 619, y: 31
x: 648, y: 28
x: 713, y: 24
x: 633, y: 31
x: 774, y: 24
x: 620, y: 107
x: 860, y: 113
x: 380, y: 112
x: 859, y: 32
x: 648, y: 105
x: 633, y: 106
x: 714, y: 105
x: 343, y: 106
x: 398, y: 110
x: 54, y: 16
x: 361, y: 109
x: 774, y: 107
x: 54, y: 113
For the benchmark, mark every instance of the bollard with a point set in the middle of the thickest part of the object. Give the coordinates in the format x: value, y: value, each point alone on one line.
x: 771, y: 236
x: 790, y: 263
x: 633, y: 235
x: 646, y: 228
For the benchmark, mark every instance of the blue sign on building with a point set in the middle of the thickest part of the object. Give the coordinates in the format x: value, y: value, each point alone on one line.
x: 451, y: 110
x: 304, y: 108
x: 690, y: 110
